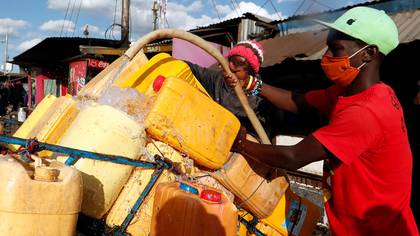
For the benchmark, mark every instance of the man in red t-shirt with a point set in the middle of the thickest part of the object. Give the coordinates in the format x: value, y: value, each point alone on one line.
x: 365, y: 148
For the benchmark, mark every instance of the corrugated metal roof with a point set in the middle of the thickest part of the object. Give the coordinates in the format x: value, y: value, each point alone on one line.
x: 317, y: 14
x: 300, y: 45
x: 311, y: 45
x: 53, y: 50
x: 236, y: 20
x: 226, y: 32
x: 408, y: 24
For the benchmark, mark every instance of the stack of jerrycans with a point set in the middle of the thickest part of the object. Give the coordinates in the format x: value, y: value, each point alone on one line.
x: 180, y: 114
x: 87, y: 125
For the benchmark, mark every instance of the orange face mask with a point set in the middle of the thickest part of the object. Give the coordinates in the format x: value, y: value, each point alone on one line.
x: 339, y: 70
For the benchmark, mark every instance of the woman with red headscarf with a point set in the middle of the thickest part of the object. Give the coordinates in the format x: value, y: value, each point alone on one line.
x: 244, y: 61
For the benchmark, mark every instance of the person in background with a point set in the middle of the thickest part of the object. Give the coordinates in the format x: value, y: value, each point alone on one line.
x: 365, y: 148
x: 244, y: 61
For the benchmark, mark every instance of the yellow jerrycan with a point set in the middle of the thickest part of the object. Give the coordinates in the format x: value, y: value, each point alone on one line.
x: 49, y: 121
x: 258, y: 187
x: 161, y: 64
x: 192, y: 123
x: 43, y: 200
x: 140, y: 225
x: 103, y: 129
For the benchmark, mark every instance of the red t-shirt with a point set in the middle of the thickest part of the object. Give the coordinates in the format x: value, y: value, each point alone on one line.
x: 370, y: 183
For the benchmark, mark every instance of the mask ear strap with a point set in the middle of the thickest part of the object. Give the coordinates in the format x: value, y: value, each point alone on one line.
x: 352, y: 55
x: 364, y: 63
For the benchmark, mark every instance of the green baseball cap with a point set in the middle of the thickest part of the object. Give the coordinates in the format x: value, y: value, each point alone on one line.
x: 370, y: 25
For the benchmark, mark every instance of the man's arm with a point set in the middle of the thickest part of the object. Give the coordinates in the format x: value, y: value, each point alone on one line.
x: 285, y: 157
x: 284, y: 99
x: 281, y: 98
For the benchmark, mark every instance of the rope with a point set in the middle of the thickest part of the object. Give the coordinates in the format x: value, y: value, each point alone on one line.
x: 31, y: 147
x: 251, y: 195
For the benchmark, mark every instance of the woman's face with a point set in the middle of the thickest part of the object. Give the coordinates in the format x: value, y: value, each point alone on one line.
x: 239, y: 66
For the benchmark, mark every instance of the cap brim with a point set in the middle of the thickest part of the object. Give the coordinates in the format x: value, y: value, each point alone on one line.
x: 332, y: 26
x: 329, y: 25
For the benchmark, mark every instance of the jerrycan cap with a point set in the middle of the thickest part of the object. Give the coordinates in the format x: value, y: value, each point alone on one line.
x: 157, y: 83
x: 188, y: 188
x: 211, y: 195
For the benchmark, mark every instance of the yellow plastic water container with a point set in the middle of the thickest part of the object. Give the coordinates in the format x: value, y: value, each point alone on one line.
x: 107, y: 130
x: 140, y: 225
x: 192, y: 123
x: 258, y: 187
x: 41, y: 200
x: 48, y: 121
x: 161, y: 64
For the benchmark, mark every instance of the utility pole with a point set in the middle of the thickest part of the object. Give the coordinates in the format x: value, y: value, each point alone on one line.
x: 125, y: 23
x: 155, y: 10
x: 6, y: 57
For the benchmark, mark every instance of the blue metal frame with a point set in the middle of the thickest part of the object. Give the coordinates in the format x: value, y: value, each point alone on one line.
x: 250, y: 225
x: 75, y: 153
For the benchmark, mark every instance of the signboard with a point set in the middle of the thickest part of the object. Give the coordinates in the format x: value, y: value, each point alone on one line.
x: 97, y: 64
x: 77, y: 76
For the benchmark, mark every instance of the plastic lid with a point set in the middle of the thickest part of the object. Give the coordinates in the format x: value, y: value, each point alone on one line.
x: 157, y: 83
x: 211, y: 195
x: 188, y: 188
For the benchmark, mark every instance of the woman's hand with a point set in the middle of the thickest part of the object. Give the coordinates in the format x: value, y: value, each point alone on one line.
x: 230, y: 79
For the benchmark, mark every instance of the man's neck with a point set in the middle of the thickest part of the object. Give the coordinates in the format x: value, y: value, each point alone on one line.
x: 366, y: 79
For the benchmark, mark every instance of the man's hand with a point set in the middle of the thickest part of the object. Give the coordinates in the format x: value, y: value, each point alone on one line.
x: 230, y: 79
x: 238, y: 144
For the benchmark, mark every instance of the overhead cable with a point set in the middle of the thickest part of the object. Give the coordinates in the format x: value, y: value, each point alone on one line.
x: 77, y: 17
x: 65, y: 17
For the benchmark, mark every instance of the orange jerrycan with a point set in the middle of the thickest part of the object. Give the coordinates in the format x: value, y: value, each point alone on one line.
x: 42, y: 200
x: 190, y: 209
x: 258, y: 187
x: 192, y: 123
x: 161, y: 64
